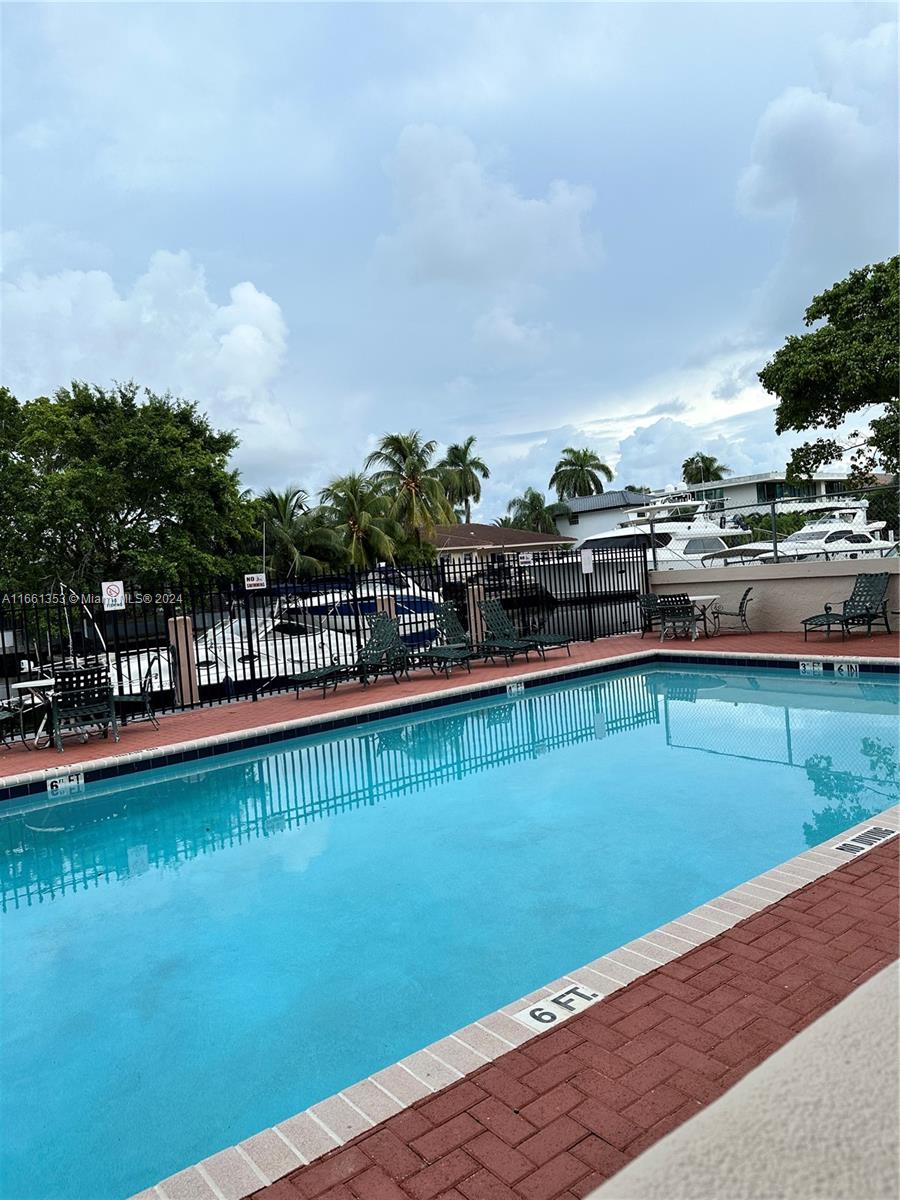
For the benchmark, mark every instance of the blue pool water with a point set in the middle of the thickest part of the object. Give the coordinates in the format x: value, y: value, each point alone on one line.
x: 203, y: 951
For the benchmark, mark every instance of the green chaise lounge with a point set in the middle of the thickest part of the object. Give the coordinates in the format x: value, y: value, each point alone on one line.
x: 865, y: 605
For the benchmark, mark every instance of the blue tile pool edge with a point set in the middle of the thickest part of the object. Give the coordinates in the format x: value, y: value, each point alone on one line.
x: 238, y: 1171
x: 23, y: 785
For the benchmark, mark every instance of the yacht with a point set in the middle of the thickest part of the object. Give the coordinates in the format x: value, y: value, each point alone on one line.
x: 676, y: 530
x: 835, y: 531
x: 234, y: 651
x: 384, y: 588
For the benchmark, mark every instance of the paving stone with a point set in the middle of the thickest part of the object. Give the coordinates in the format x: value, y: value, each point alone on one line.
x: 552, y: 1119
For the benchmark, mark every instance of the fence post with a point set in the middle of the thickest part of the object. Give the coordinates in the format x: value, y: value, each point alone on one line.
x: 653, y: 541
x: 251, y: 645
x: 774, y: 531
x: 587, y: 580
x: 357, y: 621
x: 181, y: 639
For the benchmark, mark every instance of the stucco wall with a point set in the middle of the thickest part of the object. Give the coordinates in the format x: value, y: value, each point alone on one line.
x: 784, y: 593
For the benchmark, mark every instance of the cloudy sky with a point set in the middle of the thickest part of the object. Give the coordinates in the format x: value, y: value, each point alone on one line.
x: 541, y: 224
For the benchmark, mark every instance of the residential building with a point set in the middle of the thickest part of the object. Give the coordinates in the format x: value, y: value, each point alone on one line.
x: 589, y: 515
x: 490, y: 541
x: 752, y: 490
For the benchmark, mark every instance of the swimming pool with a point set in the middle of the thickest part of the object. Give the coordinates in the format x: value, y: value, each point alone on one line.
x: 208, y: 949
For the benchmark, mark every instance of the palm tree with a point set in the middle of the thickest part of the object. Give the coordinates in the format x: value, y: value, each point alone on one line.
x: 463, y: 471
x: 531, y: 511
x: 578, y: 473
x: 504, y: 522
x: 413, y: 485
x: 703, y: 468
x: 361, y: 520
x: 298, y: 537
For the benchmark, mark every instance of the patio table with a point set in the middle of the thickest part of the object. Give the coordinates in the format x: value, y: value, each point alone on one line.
x: 702, y: 606
x: 40, y: 689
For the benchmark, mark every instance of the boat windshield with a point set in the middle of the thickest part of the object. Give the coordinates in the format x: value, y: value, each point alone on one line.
x: 807, y: 535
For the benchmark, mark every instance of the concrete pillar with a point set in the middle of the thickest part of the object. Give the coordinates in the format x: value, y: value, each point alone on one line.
x: 474, y: 593
x: 181, y: 638
x: 386, y: 602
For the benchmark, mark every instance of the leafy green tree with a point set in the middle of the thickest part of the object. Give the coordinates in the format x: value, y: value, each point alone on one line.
x: 413, y: 483
x: 531, y: 511
x: 579, y: 473
x: 849, y: 362
x: 504, y: 522
x: 298, y: 539
x: 361, y: 517
x: 638, y: 487
x: 117, y: 483
x: 463, y: 472
x: 703, y: 468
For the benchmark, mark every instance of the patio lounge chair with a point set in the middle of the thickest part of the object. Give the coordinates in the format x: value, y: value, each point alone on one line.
x: 677, y: 615
x: 81, y: 699
x: 865, y: 605
x: 650, y: 618
x: 456, y: 647
x: 500, y: 635
x: 501, y: 624
x: 740, y: 612
x: 379, y: 656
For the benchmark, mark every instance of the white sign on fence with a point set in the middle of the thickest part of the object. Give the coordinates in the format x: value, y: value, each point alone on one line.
x: 526, y: 558
x: 256, y: 582
x: 587, y: 562
x: 113, y: 593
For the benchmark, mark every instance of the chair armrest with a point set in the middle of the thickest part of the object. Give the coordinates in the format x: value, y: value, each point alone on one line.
x: 828, y: 608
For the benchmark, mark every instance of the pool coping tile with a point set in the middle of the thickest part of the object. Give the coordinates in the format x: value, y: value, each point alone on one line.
x: 428, y: 1071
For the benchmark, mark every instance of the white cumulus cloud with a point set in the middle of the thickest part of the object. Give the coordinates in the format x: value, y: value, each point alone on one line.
x: 461, y: 222
x: 165, y: 331
x: 826, y: 158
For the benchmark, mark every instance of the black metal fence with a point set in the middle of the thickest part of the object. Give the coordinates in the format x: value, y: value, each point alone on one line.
x: 198, y: 644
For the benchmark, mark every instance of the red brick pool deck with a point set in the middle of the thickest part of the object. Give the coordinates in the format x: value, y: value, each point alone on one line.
x: 246, y: 716
x: 553, y: 1119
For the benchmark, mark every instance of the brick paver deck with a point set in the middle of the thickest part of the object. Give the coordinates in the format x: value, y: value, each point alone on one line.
x: 555, y: 1118
x: 245, y: 715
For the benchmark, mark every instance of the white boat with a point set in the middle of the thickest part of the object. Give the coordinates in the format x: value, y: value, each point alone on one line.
x: 385, y: 588
x: 232, y: 651
x: 836, y: 531
x: 676, y: 531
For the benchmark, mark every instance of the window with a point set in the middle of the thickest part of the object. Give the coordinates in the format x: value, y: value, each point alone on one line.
x: 779, y: 490
x: 834, y: 486
x: 704, y: 545
x: 839, y: 535
x: 573, y: 518
x: 860, y: 539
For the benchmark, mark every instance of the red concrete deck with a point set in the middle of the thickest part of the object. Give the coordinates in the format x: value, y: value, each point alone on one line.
x: 554, y: 1119
x: 245, y: 716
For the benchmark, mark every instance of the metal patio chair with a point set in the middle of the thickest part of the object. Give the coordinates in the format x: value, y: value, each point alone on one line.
x: 865, y: 605
x: 82, y: 699
x: 498, y: 621
x: 498, y: 640
x: 455, y: 649
x: 677, y: 615
x: 649, y: 606
x: 140, y: 703
x: 740, y: 612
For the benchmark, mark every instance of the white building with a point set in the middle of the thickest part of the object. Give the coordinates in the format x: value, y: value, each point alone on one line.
x: 589, y: 515
x: 753, y: 491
